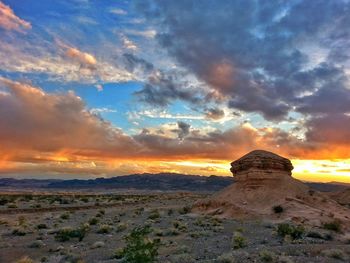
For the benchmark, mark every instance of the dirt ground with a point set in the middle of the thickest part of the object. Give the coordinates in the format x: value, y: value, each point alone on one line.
x: 29, y: 227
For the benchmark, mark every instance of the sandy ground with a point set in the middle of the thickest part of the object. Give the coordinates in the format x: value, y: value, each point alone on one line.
x: 29, y: 224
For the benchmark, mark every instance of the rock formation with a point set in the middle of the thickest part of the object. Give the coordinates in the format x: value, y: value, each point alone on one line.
x: 263, y: 181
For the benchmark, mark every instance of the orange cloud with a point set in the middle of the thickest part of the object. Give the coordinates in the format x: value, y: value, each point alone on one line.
x: 9, y: 21
x: 46, y: 133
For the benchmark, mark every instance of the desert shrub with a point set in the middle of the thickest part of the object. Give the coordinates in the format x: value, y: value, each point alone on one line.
x: 25, y: 260
x: 179, y: 225
x: 278, y: 209
x: 267, y: 256
x: 84, y: 199
x: 285, y: 229
x: 93, y: 221
x: 334, y: 253
x: 64, y: 216
x: 41, y: 226
x: 154, y: 214
x: 104, y: 229
x: 21, y: 220
x: 170, y: 212
x: 139, y: 248
x: 333, y: 226
x: 238, y: 241
x: 225, y: 258
x: 36, y: 244
x: 18, y: 232
x: 184, y: 210
x: 121, y: 227
x: 65, y: 234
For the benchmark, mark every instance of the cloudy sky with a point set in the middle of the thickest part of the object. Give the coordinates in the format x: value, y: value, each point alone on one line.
x: 94, y: 88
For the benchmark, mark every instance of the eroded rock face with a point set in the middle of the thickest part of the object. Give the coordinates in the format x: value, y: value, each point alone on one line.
x: 263, y: 161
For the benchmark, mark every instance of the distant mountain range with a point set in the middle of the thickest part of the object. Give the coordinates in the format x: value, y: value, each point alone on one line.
x: 161, y: 182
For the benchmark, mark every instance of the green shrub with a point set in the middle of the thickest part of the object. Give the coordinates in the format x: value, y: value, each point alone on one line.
x: 238, y: 241
x: 278, y: 209
x: 65, y: 234
x: 333, y: 226
x: 139, y: 248
x: 284, y: 229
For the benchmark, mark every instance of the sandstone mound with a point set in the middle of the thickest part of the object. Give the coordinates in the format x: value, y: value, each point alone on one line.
x: 263, y: 181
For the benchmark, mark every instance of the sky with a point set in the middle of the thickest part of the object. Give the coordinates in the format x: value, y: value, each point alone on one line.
x: 94, y: 88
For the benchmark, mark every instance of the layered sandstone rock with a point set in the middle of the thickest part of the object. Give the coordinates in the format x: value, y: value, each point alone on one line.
x: 262, y: 181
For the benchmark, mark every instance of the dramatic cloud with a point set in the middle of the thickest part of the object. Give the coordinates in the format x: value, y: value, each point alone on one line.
x: 260, y: 56
x: 161, y: 88
x: 9, y: 21
x: 36, y: 125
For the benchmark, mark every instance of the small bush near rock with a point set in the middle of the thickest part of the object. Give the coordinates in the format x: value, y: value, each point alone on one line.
x: 238, y: 241
x: 333, y: 226
x: 278, y: 209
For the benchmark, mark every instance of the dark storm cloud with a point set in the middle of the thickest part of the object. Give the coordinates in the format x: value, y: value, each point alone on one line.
x: 258, y: 54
